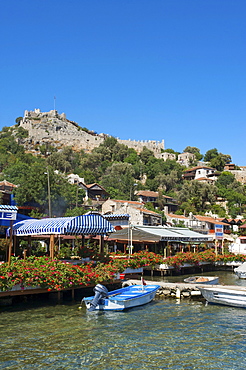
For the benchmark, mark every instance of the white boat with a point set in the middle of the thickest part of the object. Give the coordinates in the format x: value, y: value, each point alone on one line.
x: 241, y: 271
x: 202, y: 280
x: 229, y: 295
x: 120, y: 299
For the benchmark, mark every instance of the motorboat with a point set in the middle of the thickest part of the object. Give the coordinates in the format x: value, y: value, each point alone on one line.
x: 241, y: 271
x: 120, y: 299
x: 229, y: 295
x: 202, y: 280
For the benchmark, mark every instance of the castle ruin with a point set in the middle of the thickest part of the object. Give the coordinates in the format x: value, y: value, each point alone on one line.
x: 56, y: 130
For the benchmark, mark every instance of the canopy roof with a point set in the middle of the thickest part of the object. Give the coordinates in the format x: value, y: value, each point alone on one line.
x: 159, y: 233
x: 85, y: 225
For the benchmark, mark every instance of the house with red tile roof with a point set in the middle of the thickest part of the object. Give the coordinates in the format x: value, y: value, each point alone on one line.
x: 138, y: 214
x: 95, y: 192
x: 200, y: 172
x: 202, y: 224
x: 147, y: 196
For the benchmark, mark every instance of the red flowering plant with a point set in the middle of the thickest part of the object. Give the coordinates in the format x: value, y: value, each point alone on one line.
x: 53, y: 274
x: 230, y: 257
x: 181, y: 258
x: 145, y: 258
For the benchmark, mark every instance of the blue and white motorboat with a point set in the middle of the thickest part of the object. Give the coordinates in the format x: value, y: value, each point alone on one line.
x: 225, y: 294
x: 120, y: 299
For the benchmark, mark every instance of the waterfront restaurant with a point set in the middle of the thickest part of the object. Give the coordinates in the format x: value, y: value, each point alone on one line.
x: 159, y: 239
x: 88, y: 224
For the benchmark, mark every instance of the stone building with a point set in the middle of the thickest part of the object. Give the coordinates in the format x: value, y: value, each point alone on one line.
x: 138, y: 214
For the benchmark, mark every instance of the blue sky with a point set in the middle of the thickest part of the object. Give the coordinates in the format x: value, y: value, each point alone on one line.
x: 138, y: 69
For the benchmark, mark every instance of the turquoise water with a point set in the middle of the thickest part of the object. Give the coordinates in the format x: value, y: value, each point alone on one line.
x: 165, y: 334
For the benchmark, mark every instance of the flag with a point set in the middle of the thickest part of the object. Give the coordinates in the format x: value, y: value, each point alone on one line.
x: 143, y: 281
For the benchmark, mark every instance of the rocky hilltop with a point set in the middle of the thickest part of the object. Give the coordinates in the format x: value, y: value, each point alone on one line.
x: 56, y: 130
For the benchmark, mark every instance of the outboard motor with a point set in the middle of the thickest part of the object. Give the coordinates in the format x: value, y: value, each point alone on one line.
x: 100, y: 292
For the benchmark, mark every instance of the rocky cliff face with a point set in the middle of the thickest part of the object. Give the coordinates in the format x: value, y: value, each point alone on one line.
x: 56, y: 130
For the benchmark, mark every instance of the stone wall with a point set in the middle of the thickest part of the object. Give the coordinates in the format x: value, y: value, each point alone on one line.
x: 240, y: 175
x: 55, y: 129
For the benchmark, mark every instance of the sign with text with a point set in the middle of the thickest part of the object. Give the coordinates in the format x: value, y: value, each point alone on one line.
x: 8, y: 215
x: 219, y: 232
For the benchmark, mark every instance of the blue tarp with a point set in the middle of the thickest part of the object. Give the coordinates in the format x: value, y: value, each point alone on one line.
x: 81, y: 225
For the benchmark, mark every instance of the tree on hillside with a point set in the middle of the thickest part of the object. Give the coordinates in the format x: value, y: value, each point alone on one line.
x: 18, y: 119
x: 216, y: 159
x: 119, y: 176
x: 225, y: 179
x: 198, y: 195
x: 168, y: 182
x: 145, y: 155
x: 64, y: 161
x: 233, y: 191
x: 34, y: 186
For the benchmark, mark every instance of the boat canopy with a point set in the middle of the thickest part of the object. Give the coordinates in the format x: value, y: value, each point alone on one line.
x: 87, y: 224
x: 160, y: 233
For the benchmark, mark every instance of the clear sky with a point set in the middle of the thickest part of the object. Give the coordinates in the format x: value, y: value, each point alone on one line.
x: 134, y: 69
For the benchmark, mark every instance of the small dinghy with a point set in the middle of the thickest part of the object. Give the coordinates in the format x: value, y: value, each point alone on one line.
x: 202, y: 280
x: 120, y: 299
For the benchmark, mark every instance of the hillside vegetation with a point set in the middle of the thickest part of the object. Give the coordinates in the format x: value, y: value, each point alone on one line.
x: 118, y: 169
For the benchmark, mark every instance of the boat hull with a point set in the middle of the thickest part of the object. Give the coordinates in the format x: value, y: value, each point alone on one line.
x: 124, y: 298
x: 241, y: 271
x: 208, y: 280
x: 225, y: 295
x: 241, y: 275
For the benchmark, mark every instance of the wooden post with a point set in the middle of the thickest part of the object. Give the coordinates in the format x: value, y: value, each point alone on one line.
x: 101, y: 244
x: 10, y: 242
x: 14, y: 243
x: 52, y: 239
x: 29, y: 240
x: 216, y: 247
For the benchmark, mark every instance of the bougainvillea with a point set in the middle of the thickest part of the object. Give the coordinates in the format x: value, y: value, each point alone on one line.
x: 57, y: 275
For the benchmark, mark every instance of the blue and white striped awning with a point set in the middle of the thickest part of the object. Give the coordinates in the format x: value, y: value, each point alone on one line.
x: 81, y: 225
x: 7, y: 208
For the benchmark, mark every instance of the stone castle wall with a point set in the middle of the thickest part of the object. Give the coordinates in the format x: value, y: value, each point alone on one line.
x: 56, y: 130
x: 240, y: 175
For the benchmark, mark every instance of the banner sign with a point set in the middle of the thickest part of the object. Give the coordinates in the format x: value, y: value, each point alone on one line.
x: 8, y: 215
x: 219, y: 232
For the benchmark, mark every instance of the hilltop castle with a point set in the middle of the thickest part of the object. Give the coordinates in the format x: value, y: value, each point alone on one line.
x: 56, y: 130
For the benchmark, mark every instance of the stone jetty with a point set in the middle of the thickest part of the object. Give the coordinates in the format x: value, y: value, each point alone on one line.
x: 175, y: 290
